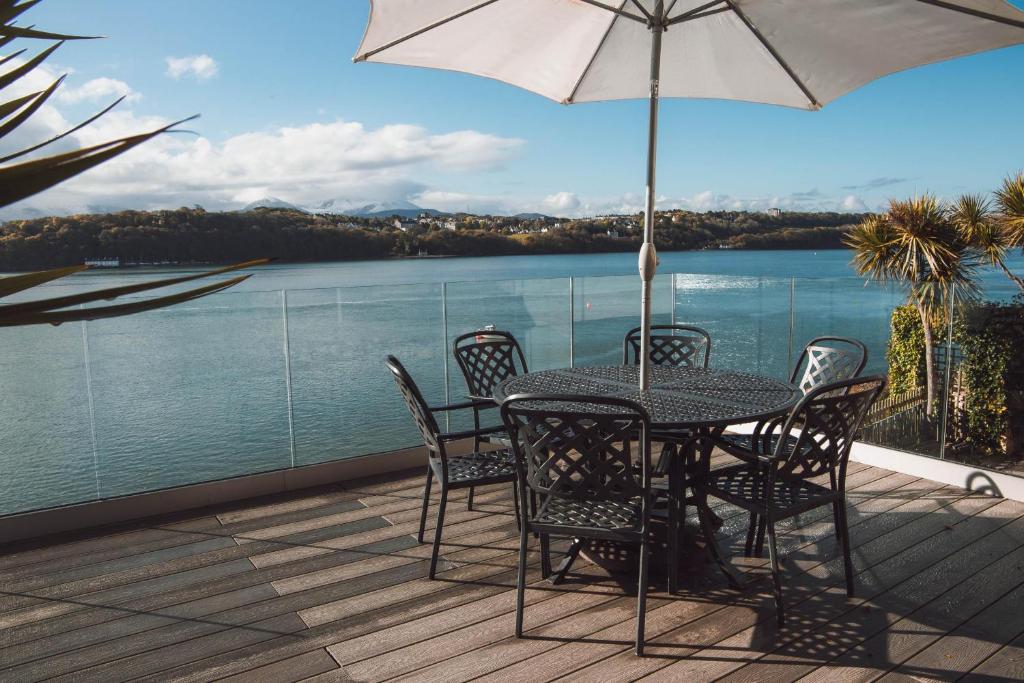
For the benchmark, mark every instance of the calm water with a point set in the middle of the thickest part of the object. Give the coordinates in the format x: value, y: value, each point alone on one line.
x: 287, y: 369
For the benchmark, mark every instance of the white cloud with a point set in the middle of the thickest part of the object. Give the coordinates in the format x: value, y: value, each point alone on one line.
x: 96, y: 90
x: 304, y: 164
x: 853, y: 203
x: 562, y: 202
x: 201, y: 67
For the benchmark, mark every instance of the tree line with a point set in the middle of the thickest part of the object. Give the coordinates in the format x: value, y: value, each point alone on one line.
x: 193, y: 235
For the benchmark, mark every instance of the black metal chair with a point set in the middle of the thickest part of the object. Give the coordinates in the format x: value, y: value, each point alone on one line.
x: 576, y: 455
x: 487, y: 358
x: 777, y: 485
x: 452, y: 471
x: 683, y: 346
x: 823, y: 361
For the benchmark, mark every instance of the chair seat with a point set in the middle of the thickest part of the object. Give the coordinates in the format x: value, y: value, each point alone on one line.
x: 484, y: 467
x: 743, y: 444
x: 743, y: 485
x: 586, y: 514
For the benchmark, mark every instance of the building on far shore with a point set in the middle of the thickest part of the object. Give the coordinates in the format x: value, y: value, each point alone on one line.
x: 773, y: 212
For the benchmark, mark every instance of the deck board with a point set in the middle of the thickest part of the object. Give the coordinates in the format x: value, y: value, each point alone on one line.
x: 330, y: 585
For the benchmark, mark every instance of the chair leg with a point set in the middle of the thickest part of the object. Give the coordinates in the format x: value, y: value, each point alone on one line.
x: 748, y: 547
x: 545, y: 556
x: 843, y: 532
x: 437, y: 531
x: 515, y: 504
x: 524, y: 536
x: 677, y: 491
x: 426, y: 504
x: 761, y: 528
x: 641, y: 598
x: 773, y: 553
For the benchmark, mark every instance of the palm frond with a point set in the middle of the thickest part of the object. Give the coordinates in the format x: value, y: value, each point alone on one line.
x: 111, y: 293
x: 19, y: 283
x: 1010, y: 200
x: 77, y: 314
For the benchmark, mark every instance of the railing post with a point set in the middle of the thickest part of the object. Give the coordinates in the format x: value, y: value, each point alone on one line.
x: 672, y: 288
x: 92, y: 408
x: 572, y: 324
x: 792, y: 322
x: 444, y: 354
x: 944, y: 421
x: 288, y: 375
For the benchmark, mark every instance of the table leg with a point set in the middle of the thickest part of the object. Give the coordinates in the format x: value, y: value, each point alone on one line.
x: 558, y: 576
x: 676, y: 490
x: 707, y: 517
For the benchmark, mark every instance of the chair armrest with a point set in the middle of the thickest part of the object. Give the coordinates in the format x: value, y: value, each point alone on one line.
x: 475, y: 403
x: 469, y: 433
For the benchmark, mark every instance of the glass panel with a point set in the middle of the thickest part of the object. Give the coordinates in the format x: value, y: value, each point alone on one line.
x: 606, y: 308
x: 344, y: 400
x: 748, y: 319
x: 191, y: 393
x: 845, y: 307
x: 982, y: 379
x: 46, y: 445
x: 536, y: 312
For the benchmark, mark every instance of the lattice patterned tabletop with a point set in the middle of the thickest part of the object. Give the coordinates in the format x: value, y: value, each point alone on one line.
x: 679, y: 398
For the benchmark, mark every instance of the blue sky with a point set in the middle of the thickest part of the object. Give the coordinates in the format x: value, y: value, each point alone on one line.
x: 476, y: 144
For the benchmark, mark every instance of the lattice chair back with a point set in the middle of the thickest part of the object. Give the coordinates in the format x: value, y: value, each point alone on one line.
x: 580, y: 447
x: 681, y: 346
x: 487, y: 358
x: 421, y: 414
x: 829, y: 359
x: 825, y: 424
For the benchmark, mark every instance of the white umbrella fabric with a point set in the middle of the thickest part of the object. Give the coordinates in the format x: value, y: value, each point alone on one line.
x: 795, y: 53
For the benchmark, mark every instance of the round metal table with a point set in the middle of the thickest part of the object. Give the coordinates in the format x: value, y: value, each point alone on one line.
x: 687, y: 405
x: 679, y: 398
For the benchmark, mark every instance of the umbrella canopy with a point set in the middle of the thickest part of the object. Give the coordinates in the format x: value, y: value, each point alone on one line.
x: 795, y: 53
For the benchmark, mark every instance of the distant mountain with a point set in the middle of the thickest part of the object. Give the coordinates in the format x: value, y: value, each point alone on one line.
x: 271, y: 203
x: 350, y: 207
x: 533, y: 217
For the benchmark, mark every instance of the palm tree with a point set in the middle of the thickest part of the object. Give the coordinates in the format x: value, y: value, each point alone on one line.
x: 973, y: 216
x: 915, y: 243
x: 1010, y: 200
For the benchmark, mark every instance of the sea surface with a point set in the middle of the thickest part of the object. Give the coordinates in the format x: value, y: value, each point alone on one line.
x: 287, y: 368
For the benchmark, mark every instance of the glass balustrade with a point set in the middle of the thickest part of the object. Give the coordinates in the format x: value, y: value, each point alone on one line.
x: 246, y: 382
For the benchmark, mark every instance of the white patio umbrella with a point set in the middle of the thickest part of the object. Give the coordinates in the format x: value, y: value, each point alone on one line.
x: 795, y: 53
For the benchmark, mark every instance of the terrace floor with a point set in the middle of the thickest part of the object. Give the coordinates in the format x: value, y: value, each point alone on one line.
x: 329, y: 585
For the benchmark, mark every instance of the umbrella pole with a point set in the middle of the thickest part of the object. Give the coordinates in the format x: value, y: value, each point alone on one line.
x: 648, y: 255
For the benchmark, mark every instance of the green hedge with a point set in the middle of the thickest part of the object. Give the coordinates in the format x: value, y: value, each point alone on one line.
x: 989, y: 418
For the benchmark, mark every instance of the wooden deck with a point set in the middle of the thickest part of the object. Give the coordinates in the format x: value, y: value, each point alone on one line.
x: 329, y: 586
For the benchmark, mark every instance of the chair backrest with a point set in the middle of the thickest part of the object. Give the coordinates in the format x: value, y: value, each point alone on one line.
x: 681, y: 346
x: 487, y: 358
x: 825, y: 423
x: 421, y: 414
x: 578, y: 446
x: 829, y: 359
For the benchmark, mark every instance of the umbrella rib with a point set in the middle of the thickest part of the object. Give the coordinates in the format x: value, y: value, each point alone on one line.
x: 774, y: 53
x: 643, y: 10
x: 593, y: 58
x: 690, y: 17
x: 621, y: 12
x: 974, y: 12
x: 692, y: 14
x: 458, y: 15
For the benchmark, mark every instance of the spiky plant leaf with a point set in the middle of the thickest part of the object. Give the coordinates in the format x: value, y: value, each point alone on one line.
x: 111, y: 293
x: 74, y: 315
x: 19, y: 283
